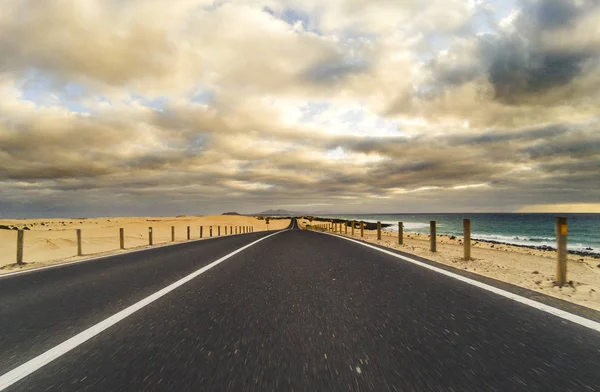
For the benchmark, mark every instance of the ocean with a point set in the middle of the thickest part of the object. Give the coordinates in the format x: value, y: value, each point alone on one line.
x: 509, y: 228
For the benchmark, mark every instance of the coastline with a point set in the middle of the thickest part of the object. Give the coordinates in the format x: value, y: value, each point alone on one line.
x: 369, y: 225
x: 542, y: 248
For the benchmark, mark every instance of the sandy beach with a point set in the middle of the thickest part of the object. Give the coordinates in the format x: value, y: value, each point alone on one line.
x: 528, y: 268
x: 52, y: 241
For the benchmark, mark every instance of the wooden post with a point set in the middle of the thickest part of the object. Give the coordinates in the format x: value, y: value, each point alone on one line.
x: 172, y: 233
x: 121, y: 238
x: 362, y: 229
x: 150, y: 236
x: 400, y: 233
x: 79, y: 253
x: 218, y: 231
x: 210, y: 230
x: 188, y: 232
x: 467, y: 238
x: 433, y: 235
x: 200, y: 231
x: 561, y: 250
x: 20, y: 235
x: 378, y: 230
x: 346, y: 227
x: 225, y: 230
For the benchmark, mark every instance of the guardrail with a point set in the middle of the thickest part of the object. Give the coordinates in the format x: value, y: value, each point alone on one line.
x: 79, y: 237
x: 561, y: 230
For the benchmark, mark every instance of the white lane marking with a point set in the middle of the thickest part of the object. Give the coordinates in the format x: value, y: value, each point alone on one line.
x: 94, y: 258
x: 507, y: 294
x: 45, y: 358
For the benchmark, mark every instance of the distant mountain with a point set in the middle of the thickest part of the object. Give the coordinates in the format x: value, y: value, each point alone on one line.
x: 231, y: 213
x: 278, y: 213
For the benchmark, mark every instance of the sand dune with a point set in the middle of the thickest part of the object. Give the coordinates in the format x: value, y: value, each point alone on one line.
x: 49, y: 241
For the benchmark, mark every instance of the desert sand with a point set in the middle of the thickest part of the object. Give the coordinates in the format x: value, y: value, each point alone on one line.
x: 528, y: 268
x: 52, y: 241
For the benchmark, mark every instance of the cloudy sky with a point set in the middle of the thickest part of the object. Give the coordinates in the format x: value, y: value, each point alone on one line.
x: 149, y: 107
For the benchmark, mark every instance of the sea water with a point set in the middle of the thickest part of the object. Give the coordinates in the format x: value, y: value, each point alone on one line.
x: 516, y: 228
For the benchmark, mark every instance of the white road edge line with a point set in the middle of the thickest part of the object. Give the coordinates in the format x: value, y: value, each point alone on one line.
x: 45, y: 358
x: 507, y: 294
x: 93, y: 258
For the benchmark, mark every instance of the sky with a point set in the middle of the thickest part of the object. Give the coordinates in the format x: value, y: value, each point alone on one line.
x: 136, y: 107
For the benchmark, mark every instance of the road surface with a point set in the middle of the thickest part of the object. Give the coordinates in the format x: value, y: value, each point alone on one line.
x: 297, y: 310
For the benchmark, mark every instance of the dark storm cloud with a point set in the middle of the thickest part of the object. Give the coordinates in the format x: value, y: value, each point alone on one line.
x: 553, y: 13
x: 522, y: 64
x: 517, y: 69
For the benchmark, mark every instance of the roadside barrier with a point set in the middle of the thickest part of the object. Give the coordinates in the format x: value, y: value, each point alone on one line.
x: 561, y: 230
x: 79, y: 236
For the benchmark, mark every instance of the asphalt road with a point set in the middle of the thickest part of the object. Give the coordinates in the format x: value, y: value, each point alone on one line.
x: 299, y: 311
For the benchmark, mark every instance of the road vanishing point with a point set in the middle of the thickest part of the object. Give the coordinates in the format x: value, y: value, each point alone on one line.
x: 281, y: 311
